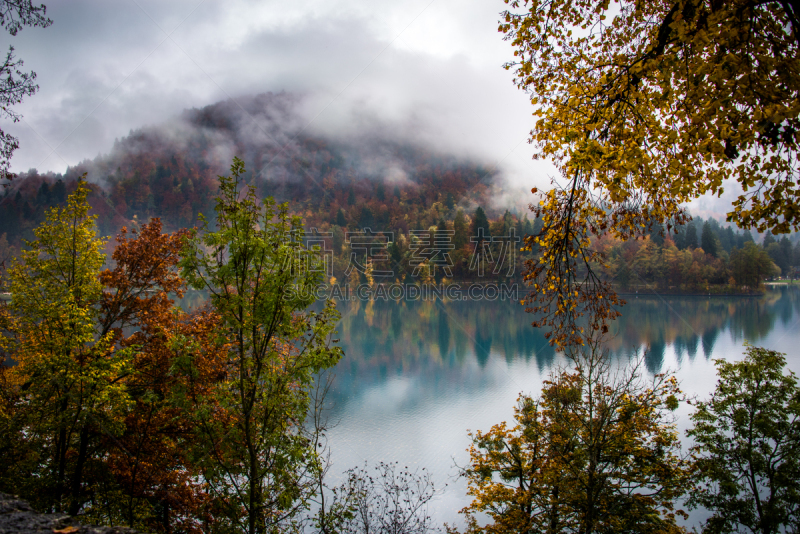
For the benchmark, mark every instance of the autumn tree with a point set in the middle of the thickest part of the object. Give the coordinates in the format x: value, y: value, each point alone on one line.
x: 597, y: 451
x: 148, y: 478
x: 260, y: 280
x: 92, y: 419
x: 644, y: 106
x: 66, y: 385
x: 747, y: 447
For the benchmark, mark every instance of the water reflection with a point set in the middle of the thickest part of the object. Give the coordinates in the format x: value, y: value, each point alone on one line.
x: 408, y: 338
x: 417, y: 375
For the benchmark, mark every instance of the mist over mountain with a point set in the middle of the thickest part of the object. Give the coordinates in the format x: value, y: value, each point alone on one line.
x: 369, y: 173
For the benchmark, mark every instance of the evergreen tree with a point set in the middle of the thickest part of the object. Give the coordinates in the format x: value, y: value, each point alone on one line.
x: 340, y: 218
x: 351, y: 197
x: 380, y: 192
x: 59, y: 191
x: 786, y: 248
x: 450, y: 202
x: 43, y: 196
x: 338, y: 239
x: 520, y: 227
x: 460, y: 238
x: 768, y: 240
x: 691, y: 236
x: 728, y: 239
x: 776, y: 253
x: 395, y: 255
x: 680, y: 237
x: 708, y: 241
x: 479, y: 220
x: 367, y: 218
x: 656, y: 234
x: 532, y: 228
x: 743, y: 238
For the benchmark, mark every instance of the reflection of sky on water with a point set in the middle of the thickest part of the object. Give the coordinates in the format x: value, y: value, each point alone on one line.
x: 417, y: 376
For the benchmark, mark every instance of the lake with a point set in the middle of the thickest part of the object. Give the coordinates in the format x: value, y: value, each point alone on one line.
x: 417, y: 376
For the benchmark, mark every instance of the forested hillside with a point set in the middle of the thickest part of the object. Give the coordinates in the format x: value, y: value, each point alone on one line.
x: 426, y: 207
x: 170, y: 171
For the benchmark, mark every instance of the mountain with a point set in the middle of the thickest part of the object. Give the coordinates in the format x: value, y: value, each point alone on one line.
x: 170, y: 171
x: 366, y: 176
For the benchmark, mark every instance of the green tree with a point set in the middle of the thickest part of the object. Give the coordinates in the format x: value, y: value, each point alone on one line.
x: 786, y: 248
x: 690, y: 239
x: 656, y: 233
x: 366, y: 219
x: 59, y: 191
x: 338, y: 240
x: 778, y: 257
x: 341, y: 220
x: 461, y: 231
x: 708, y: 241
x: 596, y: 452
x: 796, y: 254
x: 727, y: 239
x: 747, y: 447
x: 450, y: 201
x: 480, y: 222
x: 67, y: 381
x: 750, y: 265
x: 743, y: 238
x: 261, y: 283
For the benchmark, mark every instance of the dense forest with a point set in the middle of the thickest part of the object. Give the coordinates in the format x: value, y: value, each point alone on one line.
x: 430, y: 215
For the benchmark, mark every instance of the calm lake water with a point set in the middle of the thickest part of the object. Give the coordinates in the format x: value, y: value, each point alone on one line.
x: 417, y: 376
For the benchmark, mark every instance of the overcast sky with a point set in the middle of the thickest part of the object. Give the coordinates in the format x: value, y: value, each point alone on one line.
x: 432, y: 67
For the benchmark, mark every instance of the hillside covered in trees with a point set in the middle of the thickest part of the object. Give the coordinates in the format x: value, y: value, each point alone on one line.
x: 427, y: 210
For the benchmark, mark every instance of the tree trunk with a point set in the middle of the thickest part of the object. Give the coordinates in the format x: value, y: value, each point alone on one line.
x: 77, y: 478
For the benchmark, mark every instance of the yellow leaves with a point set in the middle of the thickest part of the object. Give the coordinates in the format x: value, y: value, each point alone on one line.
x: 55, y: 316
x: 663, y: 112
x: 539, y: 472
x: 66, y: 530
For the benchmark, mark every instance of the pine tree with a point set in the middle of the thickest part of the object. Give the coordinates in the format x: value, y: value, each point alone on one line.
x: 691, y: 235
x: 708, y: 240
x: 460, y: 237
x: 480, y: 221
x: 340, y: 218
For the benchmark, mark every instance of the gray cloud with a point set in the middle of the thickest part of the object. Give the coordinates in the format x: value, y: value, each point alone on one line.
x: 430, y: 70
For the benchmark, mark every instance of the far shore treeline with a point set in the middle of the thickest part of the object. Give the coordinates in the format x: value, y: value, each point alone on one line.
x: 432, y: 237
x: 429, y: 210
